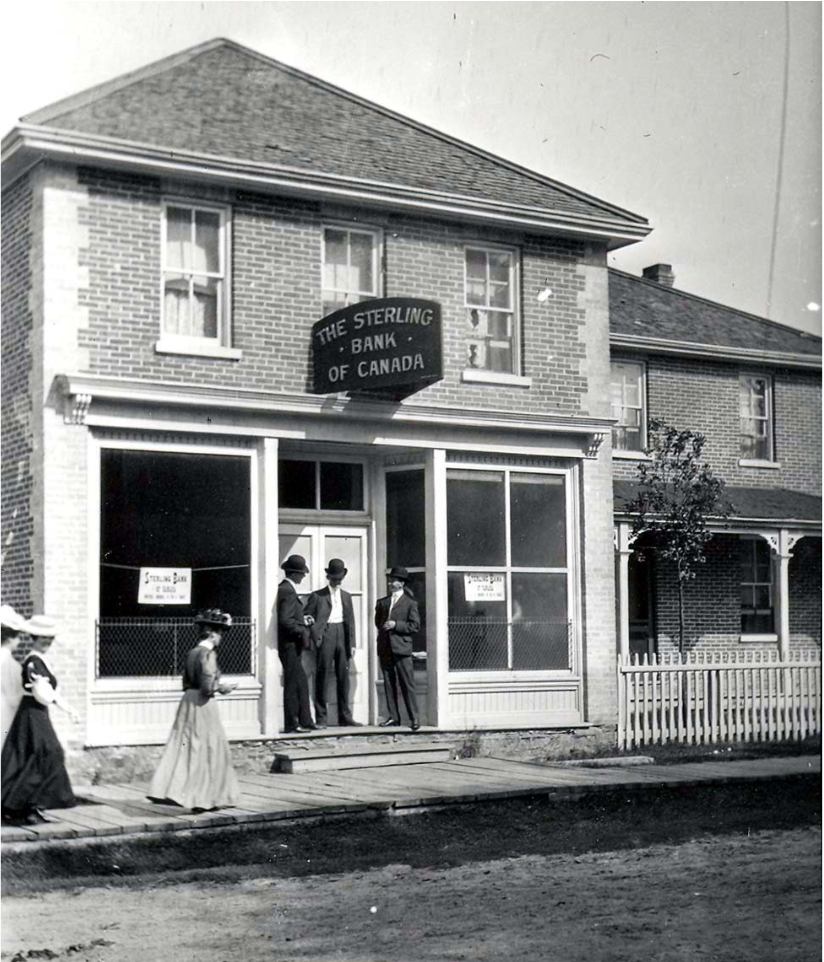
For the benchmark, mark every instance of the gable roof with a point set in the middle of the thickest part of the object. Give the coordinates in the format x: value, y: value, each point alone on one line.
x: 644, y: 312
x: 221, y: 99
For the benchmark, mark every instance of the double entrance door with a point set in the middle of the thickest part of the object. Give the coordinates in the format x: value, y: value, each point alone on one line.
x: 319, y: 544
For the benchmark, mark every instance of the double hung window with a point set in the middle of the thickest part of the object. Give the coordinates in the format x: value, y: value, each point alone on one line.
x: 757, y: 609
x: 351, y: 267
x: 627, y: 401
x: 490, y: 305
x: 507, y: 570
x: 195, y: 281
x: 755, y: 412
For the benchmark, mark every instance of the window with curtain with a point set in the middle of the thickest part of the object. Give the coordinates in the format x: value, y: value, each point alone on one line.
x: 350, y: 267
x: 194, y: 272
x: 490, y: 304
x: 627, y: 402
x: 755, y: 412
x: 508, y: 573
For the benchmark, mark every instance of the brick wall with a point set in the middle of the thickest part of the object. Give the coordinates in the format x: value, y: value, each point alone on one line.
x: 703, y: 396
x: 276, y: 278
x: 805, y: 593
x: 17, y: 406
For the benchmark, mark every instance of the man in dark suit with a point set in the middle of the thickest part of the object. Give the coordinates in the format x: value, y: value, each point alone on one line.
x: 293, y: 638
x: 397, y: 620
x: 333, y: 632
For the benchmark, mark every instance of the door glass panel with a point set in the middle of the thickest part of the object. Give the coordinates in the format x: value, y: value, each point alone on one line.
x: 349, y: 551
x: 538, y: 507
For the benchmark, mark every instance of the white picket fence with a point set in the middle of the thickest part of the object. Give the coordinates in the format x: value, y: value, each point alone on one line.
x: 704, y: 698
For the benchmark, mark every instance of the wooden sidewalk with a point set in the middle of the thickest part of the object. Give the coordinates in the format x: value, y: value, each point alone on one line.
x: 116, y: 810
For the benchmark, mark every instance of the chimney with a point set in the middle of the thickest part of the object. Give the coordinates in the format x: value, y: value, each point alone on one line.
x: 660, y: 273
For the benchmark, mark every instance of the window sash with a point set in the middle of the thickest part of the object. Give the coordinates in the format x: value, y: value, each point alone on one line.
x: 627, y: 402
x: 756, y: 586
x: 193, y: 296
x: 755, y: 417
x: 336, y: 295
x: 490, y: 306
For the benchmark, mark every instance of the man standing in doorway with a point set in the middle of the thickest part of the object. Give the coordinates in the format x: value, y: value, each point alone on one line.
x: 334, y: 634
x: 293, y: 638
x: 397, y: 620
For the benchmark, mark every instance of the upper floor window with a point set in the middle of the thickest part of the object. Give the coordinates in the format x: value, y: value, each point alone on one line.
x: 757, y: 610
x: 194, y: 264
x: 350, y: 267
x: 755, y: 411
x: 491, y: 310
x: 627, y: 401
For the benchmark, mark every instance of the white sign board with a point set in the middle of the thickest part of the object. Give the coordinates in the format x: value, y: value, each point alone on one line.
x: 165, y: 586
x: 485, y: 587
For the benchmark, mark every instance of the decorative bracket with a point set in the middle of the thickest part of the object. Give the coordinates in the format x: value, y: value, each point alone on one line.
x: 595, y: 442
x: 774, y: 539
x: 77, y: 407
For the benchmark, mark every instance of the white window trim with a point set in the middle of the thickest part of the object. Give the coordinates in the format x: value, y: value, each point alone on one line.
x: 470, y: 375
x: 572, y: 571
x: 754, y: 463
x: 635, y: 454
x: 515, y: 310
x: 770, y: 419
x: 377, y: 235
x: 186, y: 344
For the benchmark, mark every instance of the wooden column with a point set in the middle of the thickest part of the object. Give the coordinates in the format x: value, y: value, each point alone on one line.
x: 268, y: 577
x: 437, y: 631
x: 623, y: 544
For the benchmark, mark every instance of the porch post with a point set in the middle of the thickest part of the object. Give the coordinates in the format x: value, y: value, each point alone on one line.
x: 783, y: 550
x: 623, y: 544
x: 437, y: 640
x: 268, y: 576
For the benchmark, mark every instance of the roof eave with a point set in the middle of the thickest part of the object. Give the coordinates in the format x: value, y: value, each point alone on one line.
x: 27, y: 144
x: 716, y: 352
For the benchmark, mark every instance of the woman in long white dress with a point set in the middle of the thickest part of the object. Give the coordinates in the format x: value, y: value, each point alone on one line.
x: 196, y: 770
x: 14, y: 629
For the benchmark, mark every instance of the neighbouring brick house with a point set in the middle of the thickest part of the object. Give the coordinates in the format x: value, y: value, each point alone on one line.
x: 753, y: 388
x: 178, y: 245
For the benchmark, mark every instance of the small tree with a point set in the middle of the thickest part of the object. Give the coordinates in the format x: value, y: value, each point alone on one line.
x: 678, y: 494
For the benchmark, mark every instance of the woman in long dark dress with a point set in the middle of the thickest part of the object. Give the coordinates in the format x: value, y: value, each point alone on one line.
x: 195, y: 770
x: 34, y: 775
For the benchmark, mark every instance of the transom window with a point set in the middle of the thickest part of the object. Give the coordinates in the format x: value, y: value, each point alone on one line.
x: 320, y: 485
x: 194, y: 259
x: 350, y: 267
x: 757, y: 611
x: 491, y: 316
x: 755, y: 410
x: 627, y: 402
x: 507, y: 570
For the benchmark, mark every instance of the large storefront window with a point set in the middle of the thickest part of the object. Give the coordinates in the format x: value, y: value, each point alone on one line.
x: 406, y: 539
x: 507, y: 571
x: 173, y: 511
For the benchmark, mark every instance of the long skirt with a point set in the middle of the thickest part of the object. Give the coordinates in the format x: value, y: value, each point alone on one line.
x: 195, y: 770
x: 33, y: 764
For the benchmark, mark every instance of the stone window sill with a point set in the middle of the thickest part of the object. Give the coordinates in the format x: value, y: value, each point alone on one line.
x: 630, y: 455
x: 494, y: 377
x: 769, y: 465
x: 745, y: 639
x: 198, y: 349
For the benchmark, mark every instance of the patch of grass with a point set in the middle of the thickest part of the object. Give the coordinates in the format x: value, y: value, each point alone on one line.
x: 454, y: 835
x: 718, y: 751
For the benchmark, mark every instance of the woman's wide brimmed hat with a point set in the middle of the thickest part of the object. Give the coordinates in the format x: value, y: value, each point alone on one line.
x: 336, y: 569
x: 295, y: 562
x: 41, y: 626
x: 214, y: 617
x: 10, y: 619
x: 397, y: 574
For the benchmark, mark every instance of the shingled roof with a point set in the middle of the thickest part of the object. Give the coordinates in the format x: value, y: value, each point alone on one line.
x: 642, y: 308
x: 224, y: 100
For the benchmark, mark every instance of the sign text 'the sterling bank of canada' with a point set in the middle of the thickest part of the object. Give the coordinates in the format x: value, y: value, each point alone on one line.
x: 386, y: 343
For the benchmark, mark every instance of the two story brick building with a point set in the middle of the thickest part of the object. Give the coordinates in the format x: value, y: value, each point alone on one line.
x: 179, y: 244
x: 753, y: 388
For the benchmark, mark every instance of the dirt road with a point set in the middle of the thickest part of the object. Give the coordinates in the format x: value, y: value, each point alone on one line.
x: 726, y: 898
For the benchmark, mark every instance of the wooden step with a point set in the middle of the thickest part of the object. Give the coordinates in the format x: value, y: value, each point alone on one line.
x: 330, y: 759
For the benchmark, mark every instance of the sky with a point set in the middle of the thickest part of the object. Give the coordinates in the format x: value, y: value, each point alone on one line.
x: 704, y: 117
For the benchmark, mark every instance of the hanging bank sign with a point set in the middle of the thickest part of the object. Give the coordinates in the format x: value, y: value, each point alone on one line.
x: 392, y: 342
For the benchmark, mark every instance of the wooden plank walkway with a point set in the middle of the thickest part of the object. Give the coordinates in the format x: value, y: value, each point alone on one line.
x: 116, y: 810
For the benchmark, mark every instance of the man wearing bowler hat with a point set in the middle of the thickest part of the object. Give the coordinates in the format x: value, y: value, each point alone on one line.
x: 293, y: 638
x: 397, y: 620
x: 333, y: 632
